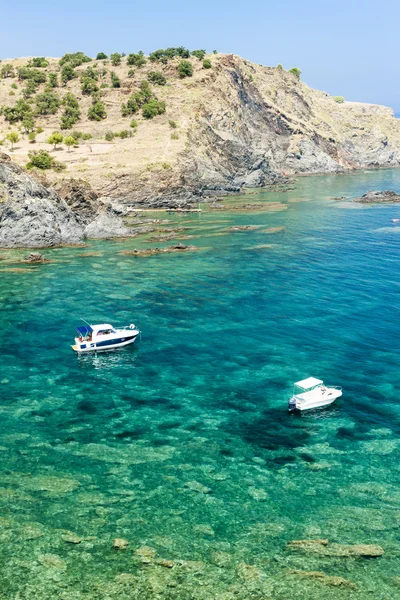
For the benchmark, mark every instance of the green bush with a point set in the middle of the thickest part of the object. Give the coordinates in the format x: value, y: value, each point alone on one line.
x: 52, y: 80
x: 338, y: 99
x: 39, y: 129
x: 40, y: 159
x: 14, y: 86
x: 89, y: 85
x: 87, y: 136
x: 18, y: 112
x: 207, y: 63
x: 279, y: 67
x: 172, y: 124
x: 34, y: 75
x: 152, y: 108
x: 97, y: 112
x: 55, y: 139
x: 200, y: 54
x: 133, y: 124
x: 131, y: 73
x: 39, y: 61
x: 164, y: 55
x: 115, y: 59
x: 91, y: 73
x: 115, y: 80
x: 109, y: 136
x: 125, y: 133
x: 156, y: 77
x: 7, y: 70
x: 174, y: 135
x: 11, y: 93
x: 67, y: 73
x: 75, y: 60
x: 28, y: 123
x: 296, y: 72
x: 29, y: 89
x: 137, y: 60
x: 101, y: 56
x: 47, y: 103
x: 185, y: 69
x: 72, y: 113
x: 32, y: 137
x: 215, y: 51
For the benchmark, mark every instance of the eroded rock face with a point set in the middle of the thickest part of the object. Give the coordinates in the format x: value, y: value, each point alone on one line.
x: 378, y: 197
x: 32, y: 215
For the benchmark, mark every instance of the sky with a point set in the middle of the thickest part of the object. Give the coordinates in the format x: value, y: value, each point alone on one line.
x: 348, y: 48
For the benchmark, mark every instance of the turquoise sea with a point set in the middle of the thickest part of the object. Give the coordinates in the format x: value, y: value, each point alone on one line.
x: 182, y: 445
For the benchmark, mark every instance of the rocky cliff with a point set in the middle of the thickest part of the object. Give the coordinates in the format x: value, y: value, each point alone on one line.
x: 233, y: 125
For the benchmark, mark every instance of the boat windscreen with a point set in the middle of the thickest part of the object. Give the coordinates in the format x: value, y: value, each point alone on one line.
x: 84, y: 329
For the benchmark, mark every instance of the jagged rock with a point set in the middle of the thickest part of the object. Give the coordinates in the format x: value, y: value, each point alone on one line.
x: 35, y: 257
x: 120, y: 544
x: 378, y: 197
x: 5, y: 157
x: 80, y: 197
x: 32, y: 215
x: 145, y: 554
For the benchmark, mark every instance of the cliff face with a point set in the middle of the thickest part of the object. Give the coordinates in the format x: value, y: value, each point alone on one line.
x: 236, y: 124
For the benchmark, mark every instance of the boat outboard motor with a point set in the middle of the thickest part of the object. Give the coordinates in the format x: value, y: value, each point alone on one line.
x: 292, y: 404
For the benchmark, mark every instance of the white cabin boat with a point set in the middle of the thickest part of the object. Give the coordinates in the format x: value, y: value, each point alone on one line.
x: 312, y: 393
x: 93, y: 338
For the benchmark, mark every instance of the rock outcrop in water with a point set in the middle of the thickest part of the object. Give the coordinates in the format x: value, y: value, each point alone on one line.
x: 379, y: 197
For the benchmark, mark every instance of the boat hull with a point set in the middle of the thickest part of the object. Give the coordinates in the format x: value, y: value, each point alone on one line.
x: 105, y: 344
x: 301, y: 404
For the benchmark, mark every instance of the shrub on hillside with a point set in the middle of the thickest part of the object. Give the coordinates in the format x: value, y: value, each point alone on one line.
x: 72, y: 113
x: 185, y: 69
x: 174, y: 135
x: 137, y: 99
x: 67, y: 73
x: 156, y: 77
x: 172, y: 124
x: 38, y: 61
x: 40, y: 159
x: 338, y: 99
x: 13, y: 138
x: 75, y: 59
x: 34, y: 75
x: 97, y: 112
x: 29, y: 89
x: 115, y: 59
x: 89, y: 85
x: 137, y: 60
x: 101, y: 56
x: 52, y: 80
x: 279, y: 67
x: 18, y: 112
x: 152, y: 108
x: 47, y: 103
x: 109, y: 136
x: 69, y: 141
x: 7, y: 70
x: 296, y: 72
x: 28, y: 123
x: 200, y: 54
x: 133, y: 124
x: 164, y: 55
x: 115, y: 80
x: 207, y: 63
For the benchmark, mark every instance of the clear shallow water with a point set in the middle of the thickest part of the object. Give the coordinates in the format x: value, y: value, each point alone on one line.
x: 183, y: 443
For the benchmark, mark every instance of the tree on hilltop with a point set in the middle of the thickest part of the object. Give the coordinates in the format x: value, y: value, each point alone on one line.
x: 101, y: 56
x: 185, y: 69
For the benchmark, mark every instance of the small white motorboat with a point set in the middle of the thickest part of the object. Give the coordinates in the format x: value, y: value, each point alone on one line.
x: 92, y: 338
x: 312, y: 393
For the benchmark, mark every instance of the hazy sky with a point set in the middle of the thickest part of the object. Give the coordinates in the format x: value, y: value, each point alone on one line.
x: 348, y: 48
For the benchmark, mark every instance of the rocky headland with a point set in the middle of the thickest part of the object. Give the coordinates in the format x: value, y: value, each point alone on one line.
x: 231, y: 125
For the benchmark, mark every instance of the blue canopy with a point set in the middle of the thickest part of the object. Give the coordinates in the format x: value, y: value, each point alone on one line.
x: 84, y: 329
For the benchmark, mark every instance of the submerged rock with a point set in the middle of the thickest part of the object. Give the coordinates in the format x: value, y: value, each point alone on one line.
x: 153, y: 251
x: 195, y: 486
x: 330, y: 580
x: 120, y: 544
x: 145, y: 554
x: 53, y: 560
x: 324, y: 548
